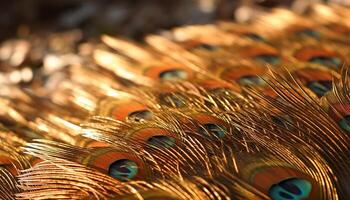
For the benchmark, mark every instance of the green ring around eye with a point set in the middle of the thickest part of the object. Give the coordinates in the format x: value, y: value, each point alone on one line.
x: 123, y: 170
x: 320, y: 88
x: 271, y: 59
x: 327, y: 61
x: 344, y: 123
x: 174, y: 74
x: 161, y: 141
x: 218, y: 130
x: 141, y: 114
x: 251, y: 80
x: 291, y: 189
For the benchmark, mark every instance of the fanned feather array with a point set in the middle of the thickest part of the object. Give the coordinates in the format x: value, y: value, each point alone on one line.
x: 222, y: 111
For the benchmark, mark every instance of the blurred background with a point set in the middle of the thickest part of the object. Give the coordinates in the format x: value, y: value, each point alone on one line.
x: 131, y: 18
x: 39, y: 38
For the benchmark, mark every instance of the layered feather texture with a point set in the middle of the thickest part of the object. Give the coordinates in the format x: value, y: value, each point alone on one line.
x: 222, y: 111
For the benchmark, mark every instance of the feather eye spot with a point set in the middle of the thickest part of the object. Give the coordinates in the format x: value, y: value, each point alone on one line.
x: 292, y: 188
x: 309, y: 33
x: 344, y: 123
x: 173, y: 74
x: 268, y: 58
x: 285, y: 195
x: 320, y: 88
x: 251, y: 80
x: 328, y: 61
x: 137, y: 116
x: 215, y: 129
x: 172, y: 100
x: 161, y: 141
x: 123, y: 170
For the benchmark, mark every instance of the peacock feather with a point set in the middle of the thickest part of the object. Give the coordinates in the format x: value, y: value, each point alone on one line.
x: 259, y: 110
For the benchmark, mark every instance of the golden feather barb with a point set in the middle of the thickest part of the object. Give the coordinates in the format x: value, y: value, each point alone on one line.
x: 222, y: 111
